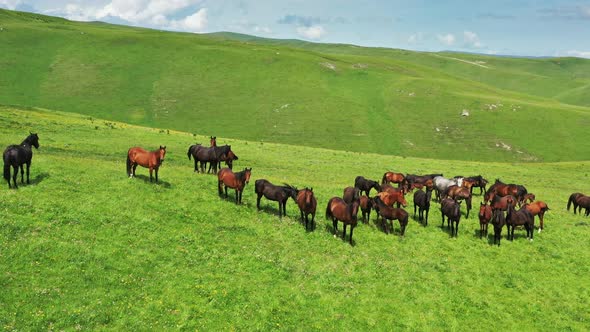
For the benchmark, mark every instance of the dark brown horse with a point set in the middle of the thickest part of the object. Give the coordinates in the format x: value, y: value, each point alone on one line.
x: 538, y: 208
x: 192, y: 150
x: 502, y: 189
x: 365, y: 185
x: 17, y: 156
x: 351, y: 194
x: 501, y: 203
x: 572, y: 200
x: 366, y: 204
x: 227, y: 178
x: 485, y: 216
x: 280, y: 194
x: 337, y: 209
x: 519, y: 218
x: 420, y: 179
x: 152, y: 160
x: 459, y: 193
x: 307, y: 205
x: 583, y: 202
x: 475, y: 182
x: 422, y: 201
x: 498, y: 221
x: 452, y: 210
x: 390, y: 214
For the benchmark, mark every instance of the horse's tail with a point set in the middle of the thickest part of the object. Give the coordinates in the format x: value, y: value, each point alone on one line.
x: 569, y: 201
x: 128, y: 165
x: 190, y: 149
x: 328, y: 211
x: 6, y: 169
x: 384, y: 179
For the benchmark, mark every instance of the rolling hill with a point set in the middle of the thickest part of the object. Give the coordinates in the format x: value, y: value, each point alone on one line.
x: 342, y: 97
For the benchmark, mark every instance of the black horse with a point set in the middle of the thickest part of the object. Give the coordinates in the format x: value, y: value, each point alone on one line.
x: 18, y: 155
x: 498, y: 220
x: 365, y: 185
x: 518, y: 218
x: 213, y: 155
x: 422, y: 201
x: 280, y: 194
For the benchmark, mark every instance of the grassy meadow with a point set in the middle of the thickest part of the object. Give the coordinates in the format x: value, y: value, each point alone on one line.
x: 85, y: 248
x: 340, y: 97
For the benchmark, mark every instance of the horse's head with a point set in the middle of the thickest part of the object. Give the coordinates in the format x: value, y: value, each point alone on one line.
x: 213, y: 140
x: 247, y: 173
x: 33, y: 139
x: 291, y: 191
x: 162, y: 153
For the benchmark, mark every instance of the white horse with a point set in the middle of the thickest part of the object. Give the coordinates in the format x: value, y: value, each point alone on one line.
x: 441, y: 184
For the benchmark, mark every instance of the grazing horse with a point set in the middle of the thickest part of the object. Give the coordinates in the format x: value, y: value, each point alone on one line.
x: 498, y: 221
x: 229, y: 158
x: 366, y: 204
x: 452, y: 210
x: 351, y: 194
x: 237, y: 181
x: 18, y: 155
x: 441, y: 184
x: 572, y: 200
x: 307, y: 205
x: 501, y: 203
x: 393, y: 177
x: 459, y: 193
x: 485, y: 216
x: 212, y: 140
x: 337, y: 209
x: 391, y: 214
x: 422, y: 201
x: 365, y: 184
x: 280, y: 194
x: 538, y: 208
x: 390, y: 198
x: 500, y: 188
x: 583, y: 202
x: 152, y: 160
x: 518, y: 218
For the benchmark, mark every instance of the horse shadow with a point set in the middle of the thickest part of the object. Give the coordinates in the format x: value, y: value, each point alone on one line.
x: 146, y: 179
x: 39, y: 178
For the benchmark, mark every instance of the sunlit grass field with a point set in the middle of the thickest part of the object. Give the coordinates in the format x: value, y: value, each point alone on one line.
x: 85, y: 248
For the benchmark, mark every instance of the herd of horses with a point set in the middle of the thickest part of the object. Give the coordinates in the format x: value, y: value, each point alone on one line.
x: 498, y: 206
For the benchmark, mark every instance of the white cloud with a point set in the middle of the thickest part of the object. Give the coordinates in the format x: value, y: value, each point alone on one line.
x: 259, y: 29
x: 448, y: 39
x: 196, y: 22
x: 312, y: 32
x: 579, y: 54
x: 9, y: 4
x: 471, y: 40
x: 138, y: 11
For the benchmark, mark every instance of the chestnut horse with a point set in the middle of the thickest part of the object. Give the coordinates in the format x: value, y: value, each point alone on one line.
x: 459, y: 193
x: 18, y: 155
x: 485, y: 216
x: 572, y: 200
x: 501, y: 203
x: 337, y: 209
x: 389, y: 198
x: 391, y: 214
x: 393, y: 177
x: 538, y: 208
x: 237, y: 181
x: 152, y: 160
x: 307, y: 205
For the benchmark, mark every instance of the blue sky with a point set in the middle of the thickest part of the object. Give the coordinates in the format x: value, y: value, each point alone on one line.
x: 527, y: 28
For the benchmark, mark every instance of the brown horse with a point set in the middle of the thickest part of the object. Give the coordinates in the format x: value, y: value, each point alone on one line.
x: 337, y: 209
x: 538, y: 208
x: 227, y: 178
x: 572, y: 200
x: 485, y: 216
x: 498, y: 220
x: 307, y: 205
x: 500, y: 188
x: 391, y: 214
x: 393, y: 177
x: 213, y: 141
x: 152, y: 160
x: 529, y: 197
x: 518, y: 218
x: 422, y: 201
x: 390, y: 198
x: 459, y: 193
x: 366, y: 204
x: 452, y: 210
x: 583, y: 202
x: 501, y: 203
x: 351, y: 194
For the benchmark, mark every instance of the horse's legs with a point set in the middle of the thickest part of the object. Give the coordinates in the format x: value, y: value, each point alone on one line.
x: 351, y: 229
x: 219, y: 190
x: 541, y: 221
x: 151, y: 171
x: 415, y: 212
x: 237, y: 196
x: 134, y: 168
x: 258, y: 201
x: 426, y: 217
x: 157, y: 168
x: 16, y: 172
x: 196, y: 166
x: 344, y: 232
x: 225, y: 187
x: 28, y: 170
x: 22, y: 174
x: 334, y: 225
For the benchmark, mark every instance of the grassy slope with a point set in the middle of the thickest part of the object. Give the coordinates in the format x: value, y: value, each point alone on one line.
x: 392, y: 103
x: 83, y: 247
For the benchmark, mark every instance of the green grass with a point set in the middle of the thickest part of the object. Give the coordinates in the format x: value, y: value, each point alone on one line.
x: 374, y: 100
x: 84, y: 247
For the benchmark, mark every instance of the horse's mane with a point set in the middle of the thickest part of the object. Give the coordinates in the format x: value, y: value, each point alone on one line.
x: 240, y: 175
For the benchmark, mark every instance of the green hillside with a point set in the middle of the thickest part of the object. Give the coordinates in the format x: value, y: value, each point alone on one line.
x: 85, y: 248
x: 340, y: 97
